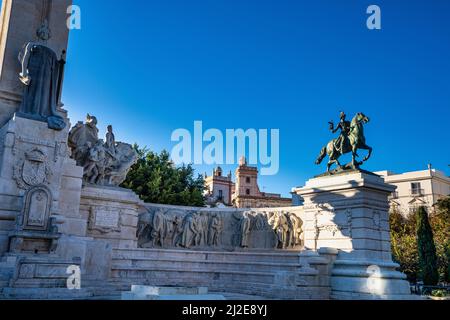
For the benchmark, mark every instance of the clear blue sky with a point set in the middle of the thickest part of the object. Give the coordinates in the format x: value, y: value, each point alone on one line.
x: 149, y: 67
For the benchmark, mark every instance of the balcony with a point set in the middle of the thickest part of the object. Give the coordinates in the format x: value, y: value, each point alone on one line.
x: 417, y: 192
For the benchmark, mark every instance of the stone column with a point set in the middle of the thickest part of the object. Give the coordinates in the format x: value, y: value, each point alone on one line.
x: 350, y: 212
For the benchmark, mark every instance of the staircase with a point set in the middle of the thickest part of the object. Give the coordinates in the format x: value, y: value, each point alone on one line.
x: 285, y: 275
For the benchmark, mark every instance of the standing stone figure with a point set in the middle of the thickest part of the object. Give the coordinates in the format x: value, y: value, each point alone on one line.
x: 110, y: 142
x: 278, y: 221
x: 94, y: 168
x: 158, y: 231
x: 41, y: 73
x: 203, y: 229
x: 245, y: 224
x: 144, y: 228
x: 284, y: 229
x: 290, y: 240
x: 215, y: 228
x: 177, y: 230
x: 189, y: 231
x: 297, y: 224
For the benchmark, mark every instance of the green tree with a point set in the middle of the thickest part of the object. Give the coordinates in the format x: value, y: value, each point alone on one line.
x: 447, y: 258
x: 404, y: 243
x: 157, y: 180
x: 427, y: 250
x: 440, y: 223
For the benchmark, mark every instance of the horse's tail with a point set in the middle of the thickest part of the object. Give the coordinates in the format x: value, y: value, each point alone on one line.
x: 322, y: 155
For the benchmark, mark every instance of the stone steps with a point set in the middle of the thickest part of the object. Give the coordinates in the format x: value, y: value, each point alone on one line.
x: 223, y: 266
x: 45, y: 294
x: 192, y: 255
x: 40, y: 283
x: 158, y: 273
x: 247, y: 288
x: 283, y: 274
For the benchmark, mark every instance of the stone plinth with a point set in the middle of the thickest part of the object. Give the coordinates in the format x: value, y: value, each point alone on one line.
x: 34, y: 162
x: 349, y: 212
x: 112, y: 215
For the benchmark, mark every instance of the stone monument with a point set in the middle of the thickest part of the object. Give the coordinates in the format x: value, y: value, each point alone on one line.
x: 348, y: 209
x: 34, y: 161
x: 42, y: 231
x: 62, y: 208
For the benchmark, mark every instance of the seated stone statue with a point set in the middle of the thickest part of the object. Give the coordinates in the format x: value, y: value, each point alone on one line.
x: 105, y: 163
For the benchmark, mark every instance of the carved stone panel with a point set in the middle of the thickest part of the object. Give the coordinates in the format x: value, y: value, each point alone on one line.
x: 215, y: 230
x: 37, y: 207
x: 104, y: 220
x: 32, y: 170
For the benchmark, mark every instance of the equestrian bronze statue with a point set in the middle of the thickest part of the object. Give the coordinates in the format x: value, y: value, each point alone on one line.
x: 351, y: 139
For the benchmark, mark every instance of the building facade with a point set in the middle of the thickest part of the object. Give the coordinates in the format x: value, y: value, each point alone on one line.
x: 417, y: 188
x: 247, y: 193
x: 218, y: 188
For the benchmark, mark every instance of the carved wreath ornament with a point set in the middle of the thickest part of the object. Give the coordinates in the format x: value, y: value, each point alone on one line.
x: 32, y: 170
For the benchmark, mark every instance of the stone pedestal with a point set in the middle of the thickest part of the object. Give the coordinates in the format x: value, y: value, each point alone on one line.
x: 33, y: 160
x: 349, y: 212
x: 112, y: 215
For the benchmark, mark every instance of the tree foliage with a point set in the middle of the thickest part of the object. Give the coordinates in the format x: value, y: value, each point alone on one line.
x: 404, y: 240
x: 440, y: 223
x: 157, y: 180
x: 427, y: 249
x: 404, y: 243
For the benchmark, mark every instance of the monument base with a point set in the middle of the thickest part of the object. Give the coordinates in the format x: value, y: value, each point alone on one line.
x: 350, y: 212
x: 274, y: 275
x: 112, y: 214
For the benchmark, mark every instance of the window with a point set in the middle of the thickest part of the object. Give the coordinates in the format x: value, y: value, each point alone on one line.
x: 220, y: 194
x: 247, y: 192
x: 416, y: 188
x: 247, y: 180
x: 394, y: 195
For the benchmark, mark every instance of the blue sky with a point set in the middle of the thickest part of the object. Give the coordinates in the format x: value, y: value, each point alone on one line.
x: 150, y: 67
